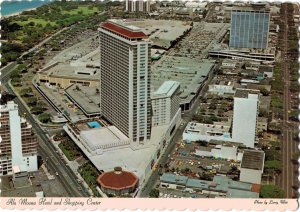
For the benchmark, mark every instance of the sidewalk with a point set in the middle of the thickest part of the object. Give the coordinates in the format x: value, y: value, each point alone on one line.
x: 49, y: 176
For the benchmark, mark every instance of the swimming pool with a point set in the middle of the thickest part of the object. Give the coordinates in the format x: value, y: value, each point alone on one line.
x: 94, y: 124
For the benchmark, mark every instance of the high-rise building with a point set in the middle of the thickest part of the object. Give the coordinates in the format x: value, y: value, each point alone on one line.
x: 165, y: 103
x: 18, y: 146
x: 245, y: 112
x: 138, y: 6
x: 125, y: 79
x: 249, y: 27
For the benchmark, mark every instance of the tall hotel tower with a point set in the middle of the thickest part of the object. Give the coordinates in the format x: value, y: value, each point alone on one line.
x: 138, y: 6
x: 125, y: 79
x: 18, y: 146
x: 249, y: 27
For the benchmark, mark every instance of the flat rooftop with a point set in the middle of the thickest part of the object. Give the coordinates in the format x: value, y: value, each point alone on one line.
x: 136, y: 161
x: 252, y: 8
x: 167, y: 88
x: 160, y: 32
x: 189, y: 72
x: 103, y: 138
x: 118, y: 26
x: 203, y: 129
x: 64, y: 70
x: 243, y: 93
x: 253, y: 159
x: 86, y: 98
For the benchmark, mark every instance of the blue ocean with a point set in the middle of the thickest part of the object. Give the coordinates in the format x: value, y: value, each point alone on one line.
x: 11, y: 7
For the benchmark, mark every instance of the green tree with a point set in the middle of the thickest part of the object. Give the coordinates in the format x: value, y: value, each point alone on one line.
x: 264, y: 92
x: 44, y: 117
x: 32, y: 101
x: 154, y: 193
x: 213, y: 118
x: 15, y: 74
x: 274, y: 165
x: 37, y: 110
x: 25, y: 91
x: 271, y: 191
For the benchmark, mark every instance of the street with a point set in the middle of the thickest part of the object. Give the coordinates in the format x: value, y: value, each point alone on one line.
x: 288, y: 176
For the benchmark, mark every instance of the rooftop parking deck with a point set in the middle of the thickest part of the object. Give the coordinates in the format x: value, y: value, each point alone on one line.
x: 190, y: 73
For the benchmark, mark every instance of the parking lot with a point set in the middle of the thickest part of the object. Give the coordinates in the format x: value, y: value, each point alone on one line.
x: 184, y: 161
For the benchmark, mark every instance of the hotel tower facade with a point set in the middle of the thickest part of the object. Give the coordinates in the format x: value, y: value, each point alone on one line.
x: 125, y: 79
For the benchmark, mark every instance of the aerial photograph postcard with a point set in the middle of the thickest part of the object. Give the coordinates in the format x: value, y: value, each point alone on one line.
x: 147, y: 100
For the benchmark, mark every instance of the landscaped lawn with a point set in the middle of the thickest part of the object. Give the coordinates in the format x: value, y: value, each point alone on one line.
x: 67, y: 152
x: 277, y: 102
x: 89, y: 174
x: 69, y: 149
x: 86, y: 10
x: 36, y: 21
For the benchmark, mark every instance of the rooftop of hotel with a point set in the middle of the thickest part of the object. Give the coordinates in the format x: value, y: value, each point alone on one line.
x: 118, y: 26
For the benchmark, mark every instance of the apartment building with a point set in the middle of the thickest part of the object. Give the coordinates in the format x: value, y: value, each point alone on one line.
x: 18, y: 145
x: 138, y: 6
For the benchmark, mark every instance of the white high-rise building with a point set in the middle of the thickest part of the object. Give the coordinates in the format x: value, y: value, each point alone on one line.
x: 166, y: 107
x: 138, y: 6
x: 165, y: 103
x: 245, y: 113
x: 18, y: 146
x: 125, y: 79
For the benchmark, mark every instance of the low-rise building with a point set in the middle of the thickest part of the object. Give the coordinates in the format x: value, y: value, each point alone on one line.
x: 221, y: 87
x: 223, y: 151
x: 118, y: 182
x: 252, y: 166
x: 264, y: 103
x: 64, y: 75
x: 266, y: 70
x: 229, y: 63
x: 262, y: 124
x: 205, y: 132
x: 221, y: 186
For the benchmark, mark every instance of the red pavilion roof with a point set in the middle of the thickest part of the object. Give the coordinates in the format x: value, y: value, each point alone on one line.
x: 118, y: 181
